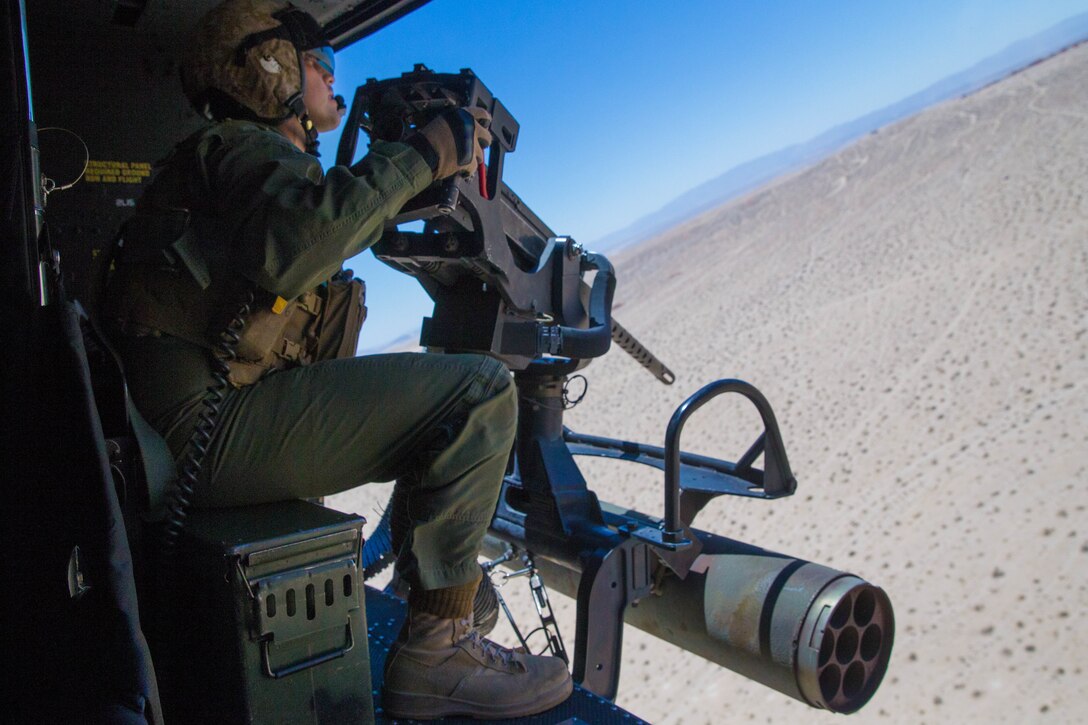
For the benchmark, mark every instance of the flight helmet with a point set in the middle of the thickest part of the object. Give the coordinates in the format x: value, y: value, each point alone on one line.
x: 246, y: 60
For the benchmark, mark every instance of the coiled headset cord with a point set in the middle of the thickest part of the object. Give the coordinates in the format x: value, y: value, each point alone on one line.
x: 180, y: 497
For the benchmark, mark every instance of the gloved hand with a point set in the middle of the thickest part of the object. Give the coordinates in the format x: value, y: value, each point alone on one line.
x: 448, y: 135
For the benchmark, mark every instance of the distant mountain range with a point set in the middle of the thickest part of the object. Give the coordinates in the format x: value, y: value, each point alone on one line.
x: 752, y: 174
x: 407, y: 342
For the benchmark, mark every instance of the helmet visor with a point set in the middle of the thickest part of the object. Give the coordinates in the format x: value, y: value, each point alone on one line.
x: 324, y: 58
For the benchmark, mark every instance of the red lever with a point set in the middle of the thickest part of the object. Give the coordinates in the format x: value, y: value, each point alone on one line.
x: 482, y: 173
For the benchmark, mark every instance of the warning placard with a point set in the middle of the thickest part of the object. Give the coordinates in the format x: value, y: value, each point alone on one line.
x: 117, y: 172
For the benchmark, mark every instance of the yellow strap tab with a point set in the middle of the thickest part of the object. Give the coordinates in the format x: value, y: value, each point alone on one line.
x: 279, y: 305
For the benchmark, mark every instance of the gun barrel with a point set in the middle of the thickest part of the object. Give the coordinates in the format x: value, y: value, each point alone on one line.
x: 819, y: 635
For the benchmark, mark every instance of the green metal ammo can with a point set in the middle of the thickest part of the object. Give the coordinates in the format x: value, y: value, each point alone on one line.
x: 259, y: 617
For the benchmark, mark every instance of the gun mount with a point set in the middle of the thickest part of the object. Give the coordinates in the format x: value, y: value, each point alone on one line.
x: 505, y: 284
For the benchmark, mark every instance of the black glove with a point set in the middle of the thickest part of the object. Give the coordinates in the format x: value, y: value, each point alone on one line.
x: 458, y: 138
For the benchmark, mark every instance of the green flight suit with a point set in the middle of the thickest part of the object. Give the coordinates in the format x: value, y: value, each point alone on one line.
x: 441, y: 425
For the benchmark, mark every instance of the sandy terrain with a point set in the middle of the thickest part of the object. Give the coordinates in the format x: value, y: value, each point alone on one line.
x: 916, y: 309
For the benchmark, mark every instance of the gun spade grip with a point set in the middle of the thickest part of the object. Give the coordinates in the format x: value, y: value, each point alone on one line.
x: 464, y: 128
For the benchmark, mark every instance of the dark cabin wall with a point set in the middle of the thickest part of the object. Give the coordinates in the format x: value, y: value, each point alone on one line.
x: 107, y: 70
x: 116, y: 87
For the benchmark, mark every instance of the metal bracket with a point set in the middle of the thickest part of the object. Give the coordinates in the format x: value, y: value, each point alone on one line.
x: 669, y: 540
x: 611, y: 580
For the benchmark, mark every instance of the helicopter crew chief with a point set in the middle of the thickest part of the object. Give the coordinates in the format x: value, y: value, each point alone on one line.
x: 241, y: 223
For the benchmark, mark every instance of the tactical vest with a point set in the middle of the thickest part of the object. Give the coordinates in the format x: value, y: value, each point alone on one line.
x: 173, y: 273
x: 167, y: 278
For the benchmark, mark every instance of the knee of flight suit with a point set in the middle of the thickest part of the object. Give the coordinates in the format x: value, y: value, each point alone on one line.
x: 506, y: 412
x: 441, y: 516
x: 490, y: 404
x: 470, y: 447
x: 492, y: 379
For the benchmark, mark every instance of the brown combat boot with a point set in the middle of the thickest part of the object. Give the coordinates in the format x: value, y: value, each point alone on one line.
x: 442, y: 667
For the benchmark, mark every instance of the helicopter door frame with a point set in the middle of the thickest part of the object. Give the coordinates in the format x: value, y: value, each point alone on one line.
x: 22, y: 269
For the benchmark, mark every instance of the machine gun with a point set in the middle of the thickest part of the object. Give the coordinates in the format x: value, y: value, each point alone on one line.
x: 505, y: 284
x: 502, y: 281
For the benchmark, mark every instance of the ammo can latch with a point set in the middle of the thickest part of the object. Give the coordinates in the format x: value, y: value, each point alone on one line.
x: 301, y: 594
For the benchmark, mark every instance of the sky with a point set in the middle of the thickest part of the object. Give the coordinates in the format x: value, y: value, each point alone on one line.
x: 624, y: 106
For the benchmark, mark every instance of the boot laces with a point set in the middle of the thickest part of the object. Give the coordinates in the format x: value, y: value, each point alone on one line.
x: 491, y: 651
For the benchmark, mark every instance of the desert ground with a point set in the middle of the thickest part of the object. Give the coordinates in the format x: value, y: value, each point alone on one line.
x: 916, y: 309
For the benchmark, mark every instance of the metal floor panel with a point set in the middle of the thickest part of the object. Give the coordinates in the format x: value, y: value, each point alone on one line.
x: 385, y: 614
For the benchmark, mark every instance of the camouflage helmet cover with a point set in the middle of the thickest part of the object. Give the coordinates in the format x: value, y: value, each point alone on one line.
x: 261, y: 77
